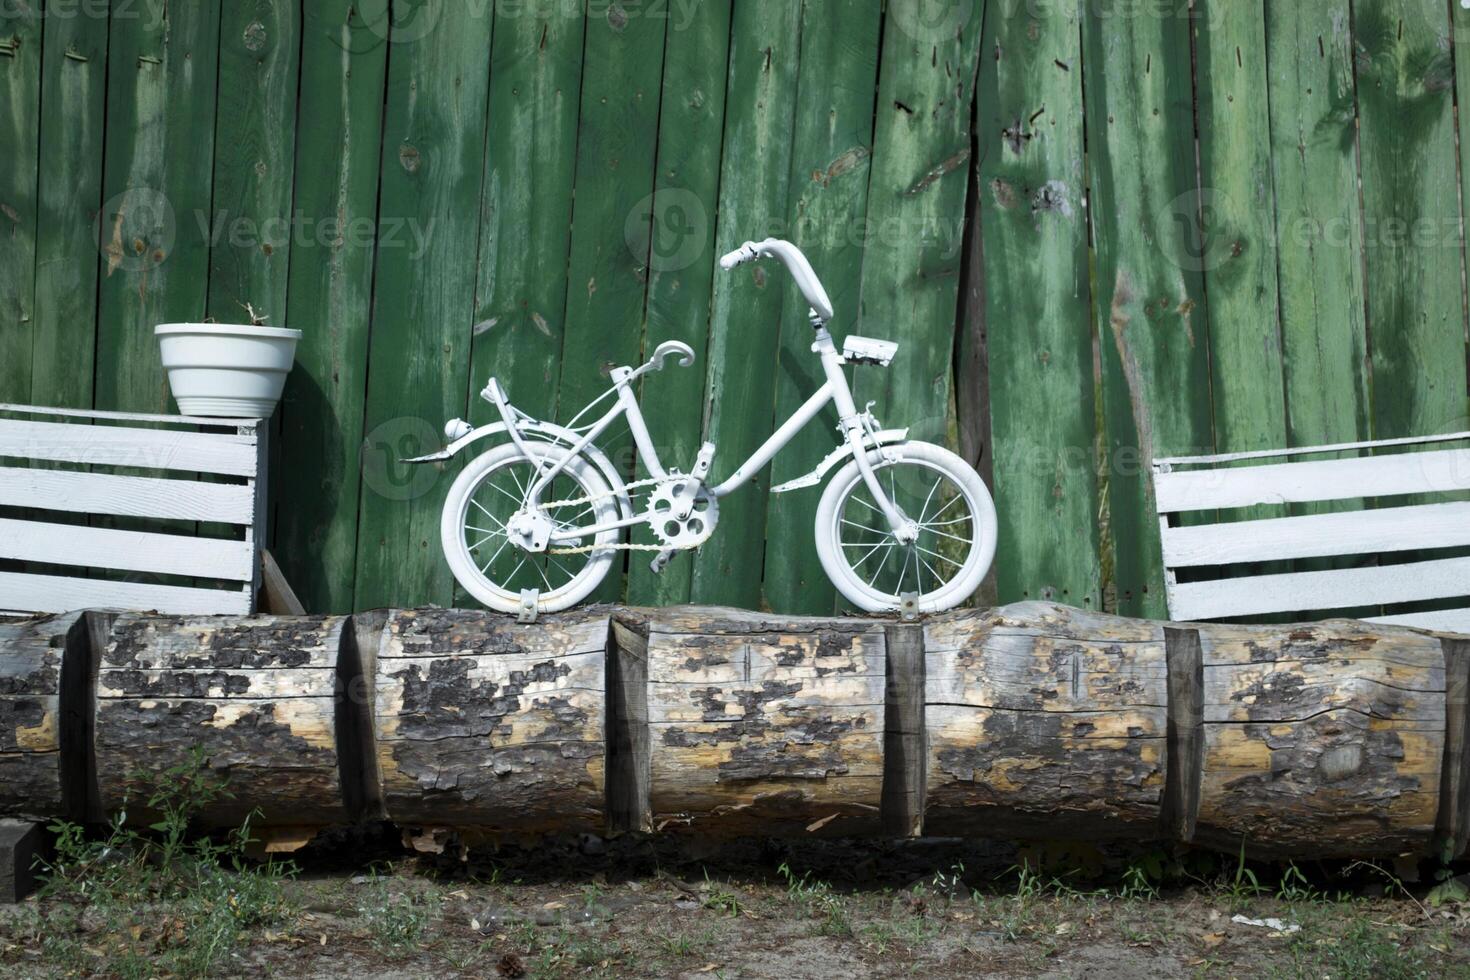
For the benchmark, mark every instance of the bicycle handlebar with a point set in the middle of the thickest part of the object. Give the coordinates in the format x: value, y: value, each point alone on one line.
x: 796, y: 264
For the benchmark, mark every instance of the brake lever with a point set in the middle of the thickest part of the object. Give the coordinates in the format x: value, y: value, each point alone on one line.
x: 668, y: 349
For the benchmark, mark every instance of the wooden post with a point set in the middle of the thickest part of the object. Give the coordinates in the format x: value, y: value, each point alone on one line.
x: 31, y: 651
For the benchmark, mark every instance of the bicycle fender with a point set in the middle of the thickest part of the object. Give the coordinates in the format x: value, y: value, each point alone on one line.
x: 553, y: 433
x: 839, y: 456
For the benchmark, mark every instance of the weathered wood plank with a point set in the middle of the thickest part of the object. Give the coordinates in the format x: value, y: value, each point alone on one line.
x: 74, y: 81
x: 162, y: 84
x: 1436, y: 471
x: 423, y: 300
x: 1443, y: 578
x: 129, y: 496
x: 681, y: 264
x: 258, y: 697
x: 1319, y: 227
x: 223, y: 453
x: 1152, y: 329
x: 97, y: 547
x: 484, y: 724
x: 916, y: 206
x: 1236, y: 227
x: 1405, y: 84
x: 755, y: 171
x: 53, y: 593
x: 1037, y: 305
x: 20, y: 128
x: 252, y: 224
x: 343, y: 64
x: 765, y: 726
x: 832, y: 150
x: 526, y: 214
x: 617, y: 140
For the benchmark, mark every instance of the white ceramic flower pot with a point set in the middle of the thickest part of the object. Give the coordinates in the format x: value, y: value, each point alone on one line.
x: 226, y: 370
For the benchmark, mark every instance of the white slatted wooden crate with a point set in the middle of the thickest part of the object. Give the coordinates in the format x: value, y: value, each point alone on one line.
x: 79, y: 491
x: 1397, y: 547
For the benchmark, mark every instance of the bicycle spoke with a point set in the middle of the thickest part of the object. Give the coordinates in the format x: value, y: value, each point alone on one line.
x: 863, y: 526
x: 875, y: 547
x: 924, y: 511
x: 948, y: 506
x: 485, y: 566
x: 938, y: 579
x: 945, y: 534
x: 935, y: 554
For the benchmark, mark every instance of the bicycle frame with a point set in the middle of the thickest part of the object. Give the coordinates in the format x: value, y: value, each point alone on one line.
x: 835, y: 390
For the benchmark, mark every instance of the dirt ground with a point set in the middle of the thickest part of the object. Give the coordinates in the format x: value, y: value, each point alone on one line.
x: 593, y: 909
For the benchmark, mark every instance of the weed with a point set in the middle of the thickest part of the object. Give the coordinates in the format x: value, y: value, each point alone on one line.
x: 395, y: 921
x: 818, y: 899
x: 718, y: 898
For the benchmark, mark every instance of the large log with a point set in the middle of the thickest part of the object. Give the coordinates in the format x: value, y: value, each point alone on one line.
x: 1030, y: 721
x: 32, y: 784
x: 258, y: 698
x: 485, y: 724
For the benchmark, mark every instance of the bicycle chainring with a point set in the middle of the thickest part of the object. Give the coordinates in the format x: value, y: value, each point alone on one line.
x: 673, y: 532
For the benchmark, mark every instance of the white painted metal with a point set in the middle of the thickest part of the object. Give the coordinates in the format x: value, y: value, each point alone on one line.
x: 534, y: 532
x: 233, y: 448
x: 134, y: 551
x: 51, y: 593
x: 1440, y: 620
x: 1333, y: 589
x: 1320, y: 535
x: 1329, y: 479
x: 226, y: 454
x: 126, y: 496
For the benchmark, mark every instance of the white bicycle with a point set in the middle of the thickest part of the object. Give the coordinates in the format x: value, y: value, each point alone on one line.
x: 534, y: 524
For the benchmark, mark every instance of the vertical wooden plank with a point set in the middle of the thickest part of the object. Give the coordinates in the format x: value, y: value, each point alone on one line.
x: 1151, y: 323
x: 1234, y: 227
x: 423, y: 302
x: 1033, y: 223
x: 251, y: 228
x: 20, y: 126
x: 916, y: 206
x: 1319, y: 227
x: 1414, y: 260
x: 680, y: 257
x: 525, y: 233
x: 73, y: 89
x: 745, y: 320
x: 330, y: 284
x: 832, y: 150
x: 608, y: 267
x: 161, y: 81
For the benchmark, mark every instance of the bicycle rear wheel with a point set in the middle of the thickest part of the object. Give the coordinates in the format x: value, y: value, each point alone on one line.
x: 486, y: 559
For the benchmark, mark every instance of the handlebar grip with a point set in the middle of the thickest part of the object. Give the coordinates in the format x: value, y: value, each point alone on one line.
x: 740, y: 256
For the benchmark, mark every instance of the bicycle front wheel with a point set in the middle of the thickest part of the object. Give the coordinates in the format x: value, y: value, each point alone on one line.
x: 955, y: 519
x: 485, y: 558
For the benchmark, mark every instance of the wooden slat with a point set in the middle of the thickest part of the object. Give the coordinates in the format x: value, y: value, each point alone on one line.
x: 617, y: 142
x: 1318, y: 536
x: 1333, y: 589
x: 241, y: 426
x: 1415, y: 267
x: 52, y: 593
x: 1319, y: 228
x: 1297, y: 451
x: 681, y: 267
x: 73, y: 89
x: 161, y: 95
x: 745, y: 316
x: 1441, y: 471
x: 195, y: 452
x: 255, y: 139
x: 1038, y: 308
x: 423, y: 299
x: 126, y: 496
x: 1440, y: 620
x: 20, y: 128
x: 135, y: 551
x: 1233, y: 218
x: 830, y: 161
x: 330, y: 294
x: 1149, y: 306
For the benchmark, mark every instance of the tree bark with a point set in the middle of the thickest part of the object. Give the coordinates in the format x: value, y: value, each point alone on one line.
x: 31, y: 778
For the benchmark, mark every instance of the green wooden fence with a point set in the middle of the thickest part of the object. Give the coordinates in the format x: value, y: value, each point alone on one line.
x: 1101, y: 230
